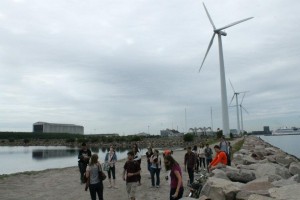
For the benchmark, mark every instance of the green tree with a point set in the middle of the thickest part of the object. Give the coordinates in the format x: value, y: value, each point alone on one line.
x: 189, y: 137
x: 219, y: 133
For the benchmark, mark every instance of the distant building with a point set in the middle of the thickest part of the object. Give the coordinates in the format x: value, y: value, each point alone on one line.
x: 170, y: 133
x: 266, y: 131
x: 143, y: 134
x: 44, y: 127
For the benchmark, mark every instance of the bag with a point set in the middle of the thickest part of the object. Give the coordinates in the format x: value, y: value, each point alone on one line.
x: 106, y: 166
x: 101, y: 174
x: 85, y: 179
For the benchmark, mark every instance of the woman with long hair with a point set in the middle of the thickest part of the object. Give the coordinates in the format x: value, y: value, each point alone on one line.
x: 155, y: 168
x: 176, y: 185
x: 111, y: 159
x: 92, y: 173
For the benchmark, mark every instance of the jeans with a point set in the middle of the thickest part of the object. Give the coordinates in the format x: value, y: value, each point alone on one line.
x: 208, y: 161
x: 112, y: 171
x: 155, y: 171
x: 96, y: 188
x: 82, y: 168
x: 180, y: 193
x: 191, y: 174
x: 202, y: 160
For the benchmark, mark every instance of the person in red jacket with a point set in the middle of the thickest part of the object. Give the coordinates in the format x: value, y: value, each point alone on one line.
x: 220, y: 160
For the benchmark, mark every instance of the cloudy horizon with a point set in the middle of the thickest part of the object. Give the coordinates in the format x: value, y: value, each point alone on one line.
x: 132, y: 66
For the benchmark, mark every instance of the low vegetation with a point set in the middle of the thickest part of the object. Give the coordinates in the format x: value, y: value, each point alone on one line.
x: 237, y: 146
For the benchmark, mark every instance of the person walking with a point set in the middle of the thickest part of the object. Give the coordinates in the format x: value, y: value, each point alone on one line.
x: 176, y: 186
x: 130, y: 174
x: 224, y: 145
x: 155, y: 168
x: 189, y: 164
x: 201, y: 155
x: 111, y: 159
x: 138, y: 158
x: 229, y: 156
x: 208, y: 154
x: 149, y: 153
x: 84, y: 157
x: 195, y: 151
x: 92, y: 174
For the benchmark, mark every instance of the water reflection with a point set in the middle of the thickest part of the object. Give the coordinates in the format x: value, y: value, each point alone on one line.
x: 53, y: 153
x: 40, y: 154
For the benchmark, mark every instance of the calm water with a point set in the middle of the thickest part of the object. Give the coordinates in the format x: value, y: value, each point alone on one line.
x: 288, y: 143
x: 35, y: 158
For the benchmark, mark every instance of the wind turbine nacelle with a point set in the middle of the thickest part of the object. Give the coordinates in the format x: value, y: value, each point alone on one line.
x: 222, y: 33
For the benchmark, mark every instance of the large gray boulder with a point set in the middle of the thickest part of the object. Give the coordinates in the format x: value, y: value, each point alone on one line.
x: 218, y: 173
x: 243, y: 151
x: 221, y: 189
x: 288, y: 192
x: 258, y: 197
x: 283, y: 182
x: 257, y: 188
x: 283, y: 160
x: 243, y: 176
x: 269, y: 169
x: 248, y: 160
x: 294, y: 168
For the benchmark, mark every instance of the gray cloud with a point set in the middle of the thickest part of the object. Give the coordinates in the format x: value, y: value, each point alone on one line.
x: 121, y: 66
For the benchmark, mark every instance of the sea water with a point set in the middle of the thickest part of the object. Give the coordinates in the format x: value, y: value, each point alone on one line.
x: 287, y: 143
x: 16, y: 159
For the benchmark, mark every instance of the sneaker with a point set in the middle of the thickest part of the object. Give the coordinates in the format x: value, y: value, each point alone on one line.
x: 109, y: 186
x: 115, y: 187
x: 157, y: 186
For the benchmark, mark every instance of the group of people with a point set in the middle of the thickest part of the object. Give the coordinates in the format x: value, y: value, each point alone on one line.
x: 203, y: 156
x: 89, y: 167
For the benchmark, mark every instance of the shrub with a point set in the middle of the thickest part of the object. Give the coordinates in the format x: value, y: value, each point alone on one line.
x: 189, y: 137
x: 26, y: 140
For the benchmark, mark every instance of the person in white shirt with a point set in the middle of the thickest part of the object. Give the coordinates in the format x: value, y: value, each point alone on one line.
x: 155, y: 168
x: 201, y: 155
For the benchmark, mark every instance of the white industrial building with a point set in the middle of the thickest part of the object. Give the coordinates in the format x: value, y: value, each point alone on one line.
x: 44, y: 127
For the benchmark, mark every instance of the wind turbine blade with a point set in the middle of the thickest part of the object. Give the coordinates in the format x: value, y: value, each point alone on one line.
x: 244, y: 91
x: 209, y: 45
x: 232, y: 86
x: 243, y: 99
x: 244, y: 109
x: 211, y: 21
x: 232, y: 98
x: 232, y: 24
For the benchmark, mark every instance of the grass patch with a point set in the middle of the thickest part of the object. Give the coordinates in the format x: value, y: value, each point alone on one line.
x: 237, y: 146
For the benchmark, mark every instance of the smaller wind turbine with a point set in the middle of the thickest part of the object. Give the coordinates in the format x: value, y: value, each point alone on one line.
x: 241, y: 109
x: 235, y: 94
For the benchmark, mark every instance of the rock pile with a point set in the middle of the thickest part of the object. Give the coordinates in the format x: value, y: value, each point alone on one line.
x: 260, y: 172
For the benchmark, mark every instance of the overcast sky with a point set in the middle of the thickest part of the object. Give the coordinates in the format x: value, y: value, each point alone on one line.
x: 131, y: 66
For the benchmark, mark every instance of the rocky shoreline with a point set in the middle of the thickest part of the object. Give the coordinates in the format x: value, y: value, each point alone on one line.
x: 260, y: 172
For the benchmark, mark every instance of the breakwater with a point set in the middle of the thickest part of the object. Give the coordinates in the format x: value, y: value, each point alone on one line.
x: 260, y: 171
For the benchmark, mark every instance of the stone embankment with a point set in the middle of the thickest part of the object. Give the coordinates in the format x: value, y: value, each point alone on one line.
x: 260, y: 172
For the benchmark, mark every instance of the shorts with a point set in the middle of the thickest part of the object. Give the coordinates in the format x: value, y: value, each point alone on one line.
x: 131, y: 188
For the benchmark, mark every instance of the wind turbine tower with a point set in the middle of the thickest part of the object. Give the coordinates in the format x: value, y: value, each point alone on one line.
x: 220, y: 33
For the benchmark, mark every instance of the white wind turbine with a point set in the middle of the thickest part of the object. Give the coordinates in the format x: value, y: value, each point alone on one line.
x: 241, y: 109
x: 219, y: 32
x: 235, y: 94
